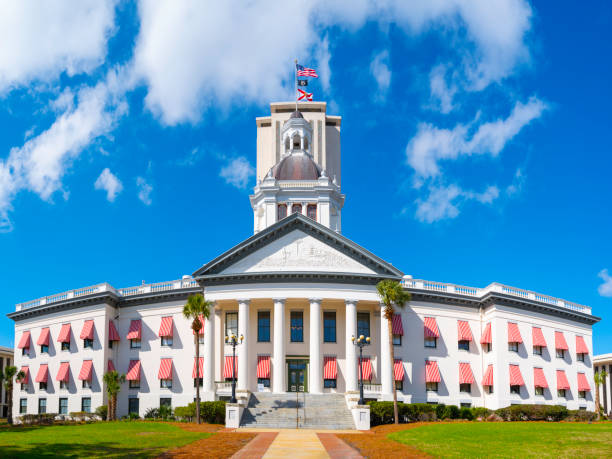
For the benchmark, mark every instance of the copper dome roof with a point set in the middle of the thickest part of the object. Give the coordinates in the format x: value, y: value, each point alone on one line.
x: 297, y: 166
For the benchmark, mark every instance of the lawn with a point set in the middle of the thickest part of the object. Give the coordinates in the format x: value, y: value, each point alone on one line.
x: 510, y: 439
x: 113, y: 439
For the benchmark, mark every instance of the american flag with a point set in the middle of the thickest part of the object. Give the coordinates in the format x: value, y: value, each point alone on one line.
x: 304, y: 95
x: 306, y: 72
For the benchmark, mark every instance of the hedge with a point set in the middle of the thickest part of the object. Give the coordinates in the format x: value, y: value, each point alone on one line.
x: 532, y: 413
x: 43, y: 418
x: 210, y: 412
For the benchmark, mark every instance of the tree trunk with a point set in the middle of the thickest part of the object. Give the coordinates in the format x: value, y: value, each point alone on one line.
x: 9, y: 402
x: 197, y: 346
x: 597, y: 407
x: 392, y: 353
x: 109, y: 406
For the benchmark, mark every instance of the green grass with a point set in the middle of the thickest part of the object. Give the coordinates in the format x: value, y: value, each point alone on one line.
x: 511, y: 439
x: 102, y: 439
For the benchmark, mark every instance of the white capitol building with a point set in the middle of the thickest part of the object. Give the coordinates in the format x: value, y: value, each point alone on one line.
x: 297, y: 291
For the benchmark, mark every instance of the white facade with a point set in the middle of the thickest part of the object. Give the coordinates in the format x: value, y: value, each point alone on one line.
x: 600, y: 363
x: 6, y: 359
x: 301, y: 291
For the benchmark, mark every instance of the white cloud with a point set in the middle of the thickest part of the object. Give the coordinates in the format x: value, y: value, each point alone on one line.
x: 144, y: 191
x: 444, y: 202
x: 442, y: 93
x: 381, y: 71
x: 605, y: 289
x: 40, y: 40
x: 237, y: 172
x: 431, y: 144
x: 516, y: 187
x: 109, y: 182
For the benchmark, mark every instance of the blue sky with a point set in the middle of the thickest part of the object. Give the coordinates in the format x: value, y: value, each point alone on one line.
x: 475, y: 138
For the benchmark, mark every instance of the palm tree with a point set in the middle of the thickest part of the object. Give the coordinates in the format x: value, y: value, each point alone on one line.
x: 392, y: 294
x: 7, y: 377
x: 195, y: 308
x: 600, y: 380
x: 113, y: 381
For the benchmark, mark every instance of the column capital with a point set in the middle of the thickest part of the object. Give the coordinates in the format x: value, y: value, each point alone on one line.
x: 244, y: 300
x: 279, y: 300
x: 351, y: 301
x: 315, y: 300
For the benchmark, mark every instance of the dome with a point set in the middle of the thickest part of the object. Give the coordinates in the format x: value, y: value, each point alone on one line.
x: 296, y: 114
x: 297, y: 166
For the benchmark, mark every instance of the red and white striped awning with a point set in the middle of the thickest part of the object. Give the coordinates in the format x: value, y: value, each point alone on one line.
x: 135, y: 331
x: 431, y: 327
x: 43, y: 373
x: 88, y: 330
x: 538, y: 337
x: 330, y: 367
x: 487, y: 379
x: 64, y: 372
x: 263, y: 366
x: 86, y: 370
x: 465, y: 373
x: 539, y: 379
x: 463, y: 331
x: 562, y: 382
x: 514, y: 335
x: 201, y: 332
x: 487, y: 336
x: 43, y: 339
x: 560, y: 342
x: 110, y: 366
x: 24, y: 342
x: 165, y: 329
x: 583, y: 383
x: 133, y: 373
x: 516, y: 378
x: 228, y: 369
x: 26, y: 375
x: 165, y: 369
x: 432, y: 374
x: 64, y: 334
x: 200, y: 369
x: 398, y: 370
x: 581, y: 347
x: 366, y: 369
x: 396, y: 325
x: 113, y: 334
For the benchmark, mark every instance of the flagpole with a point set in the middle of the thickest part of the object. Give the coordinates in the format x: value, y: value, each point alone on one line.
x: 296, y: 96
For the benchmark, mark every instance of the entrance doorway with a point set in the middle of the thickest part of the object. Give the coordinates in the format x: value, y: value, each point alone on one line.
x: 297, y: 375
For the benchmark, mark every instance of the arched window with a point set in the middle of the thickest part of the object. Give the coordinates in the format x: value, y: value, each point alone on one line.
x: 311, y: 211
x: 281, y: 212
x: 305, y: 143
x: 296, y: 209
x: 296, y: 142
x: 287, y: 144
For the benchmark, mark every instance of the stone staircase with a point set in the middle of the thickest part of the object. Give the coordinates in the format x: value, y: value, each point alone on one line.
x: 320, y: 411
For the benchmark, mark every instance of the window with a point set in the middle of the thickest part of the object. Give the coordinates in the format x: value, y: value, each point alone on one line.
x: 264, y: 381
x: 580, y: 357
x: 515, y: 390
x: 486, y: 347
x: 466, y: 405
x: 581, y: 394
x: 134, y: 344
x: 465, y: 388
x: 399, y: 385
x: 513, y: 347
x: 44, y: 349
x: 86, y: 384
x: 539, y: 391
x: 463, y: 345
x: 63, y: 384
x: 166, y: 341
x: 42, y: 386
x: 133, y: 405
x: 297, y: 326
x: 281, y: 211
x: 201, y: 339
x: 363, y: 324
x: 296, y: 209
x: 86, y: 404
x: 24, y: 351
x: 24, y: 386
x: 165, y: 383
x: 63, y: 406
x: 110, y: 344
x: 231, y: 323
x: 537, y: 350
x: 329, y: 327
x: 560, y: 353
x: 165, y: 401
x: 88, y: 343
x: 263, y: 326
x: 431, y: 386
x: 23, y: 405
x: 42, y: 405
x: 311, y: 211
x: 431, y: 342
x: 582, y: 408
x: 561, y: 393
x: 329, y: 383
x: 134, y: 384
x: 66, y: 346
x: 397, y: 340
x: 489, y: 389
x: 198, y: 380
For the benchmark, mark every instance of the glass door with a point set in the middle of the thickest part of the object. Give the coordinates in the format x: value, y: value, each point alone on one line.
x: 297, y: 375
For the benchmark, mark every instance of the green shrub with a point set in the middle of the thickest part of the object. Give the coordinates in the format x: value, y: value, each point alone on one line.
x: 440, y: 410
x: 210, y: 412
x: 82, y: 416
x: 451, y: 412
x: 581, y: 415
x: 102, y: 411
x: 481, y: 412
x: 133, y: 416
x: 185, y: 412
x: 43, y: 418
x: 381, y: 413
x: 152, y: 413
x: 532, y: 413
x: 466, y: 413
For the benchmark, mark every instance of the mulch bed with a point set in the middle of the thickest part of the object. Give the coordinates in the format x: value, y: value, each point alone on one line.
x: 375, y: 444
x: 222, y: 444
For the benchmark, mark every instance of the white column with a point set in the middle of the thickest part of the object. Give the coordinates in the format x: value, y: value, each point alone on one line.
x: 385, y: 355
x: 209, y: 353
x: 351, y: 353
x: 278, y: 354
x: 243, y: 354
x: 316, y: 382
